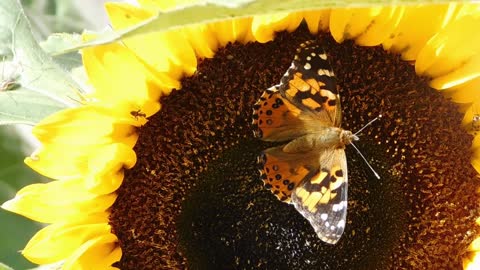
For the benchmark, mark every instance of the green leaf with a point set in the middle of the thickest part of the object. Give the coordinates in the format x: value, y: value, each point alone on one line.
x: 28, y: 107
x: 44, y: 86
x: 58, y: 42
x: 15, y: 230
x: 217, y: 10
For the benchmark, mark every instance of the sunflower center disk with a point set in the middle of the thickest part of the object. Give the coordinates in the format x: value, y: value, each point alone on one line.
x: 195, y: 198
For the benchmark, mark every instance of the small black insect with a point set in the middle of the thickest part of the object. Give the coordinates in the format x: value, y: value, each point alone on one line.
x: 138, y: 114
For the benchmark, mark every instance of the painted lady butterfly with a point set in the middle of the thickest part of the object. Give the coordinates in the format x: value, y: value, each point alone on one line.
x: 310, y: 171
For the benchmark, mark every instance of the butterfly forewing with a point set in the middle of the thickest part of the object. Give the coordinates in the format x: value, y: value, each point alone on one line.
x: 277, y: 119
x: 311, y: 85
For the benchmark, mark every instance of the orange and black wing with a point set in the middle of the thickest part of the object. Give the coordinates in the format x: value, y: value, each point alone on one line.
x: 277, y: 119
x: 282, y: 172
x: 310, y: 84
x: 322, y: 198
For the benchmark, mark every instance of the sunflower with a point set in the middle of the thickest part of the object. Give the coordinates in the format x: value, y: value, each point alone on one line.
x: 182, y: 190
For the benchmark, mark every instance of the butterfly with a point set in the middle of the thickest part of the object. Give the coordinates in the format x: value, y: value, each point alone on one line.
x: 310, y: 170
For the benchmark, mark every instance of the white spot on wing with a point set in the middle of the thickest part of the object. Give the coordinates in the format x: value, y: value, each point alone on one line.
x: 339, y: 206
x: 307, y: 66
x: 324, y: 216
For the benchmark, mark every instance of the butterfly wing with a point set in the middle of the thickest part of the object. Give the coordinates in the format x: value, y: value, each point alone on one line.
x: 308, y: 171
x: 277, y: 119
x: 305, y: 101
x: 322, y: 198
x: 310, y: 84
x: 282, y: 172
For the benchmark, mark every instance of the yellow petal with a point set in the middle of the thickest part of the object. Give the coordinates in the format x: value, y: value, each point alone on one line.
x: 72, y: 164
x: 65, y: 135
x: 243, y: 30
x: 476, y: 147
x: 348, y: 23
x: 466, y: 72
x: 165, y: 52
x: 475, y: 245
x: 85, y: 125
x: 317, y: 20
x: 223, y: 31
x: 58, y: 241
x: 132, y: 78
x: 370, y: 26
x: 465, y: 93
x: 450, y: 48
x: 57, y: 201
x: 265, y: 26
x: 381, y: 26
x: 106, y: 165
x: 98, y: 253
x: 467, y: 9
x: 232, y: 30
x: 417, y: 26
x: 202, y: 39
x: 473, y: 263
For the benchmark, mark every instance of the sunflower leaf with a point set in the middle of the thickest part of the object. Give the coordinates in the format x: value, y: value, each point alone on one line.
x: 22, y: 106
x: 37, y: 86
x: 59, y: 41
x: 217, y: 10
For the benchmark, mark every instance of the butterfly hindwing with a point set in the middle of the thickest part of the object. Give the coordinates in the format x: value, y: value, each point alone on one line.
x: 282, y: 172
x: 311, y: 85
x: 322, y: 199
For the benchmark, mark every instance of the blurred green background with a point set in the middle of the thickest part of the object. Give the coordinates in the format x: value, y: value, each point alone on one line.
x: 46, y: 17
x: 15, y: 230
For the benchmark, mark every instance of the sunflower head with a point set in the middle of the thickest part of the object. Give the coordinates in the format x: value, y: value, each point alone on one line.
x: 183, y: 190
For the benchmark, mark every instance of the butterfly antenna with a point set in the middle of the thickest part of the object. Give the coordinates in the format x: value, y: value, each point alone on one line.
x: 360, y: 153
x: 368, y: 124
x: 364, y: 159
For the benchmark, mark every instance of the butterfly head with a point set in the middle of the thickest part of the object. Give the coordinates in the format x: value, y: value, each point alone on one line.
x: 347, y: 137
